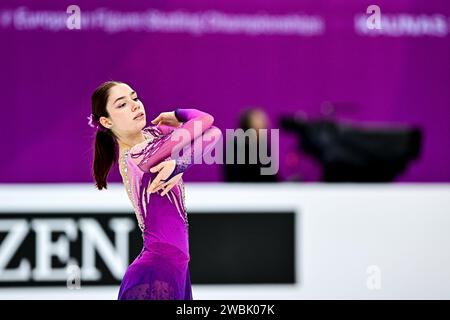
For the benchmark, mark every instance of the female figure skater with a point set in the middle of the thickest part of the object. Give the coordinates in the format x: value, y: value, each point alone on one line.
x: 152, y: 178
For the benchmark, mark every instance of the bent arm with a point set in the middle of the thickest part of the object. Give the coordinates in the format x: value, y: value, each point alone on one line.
x: 195, y: 123
x: 194, y: 152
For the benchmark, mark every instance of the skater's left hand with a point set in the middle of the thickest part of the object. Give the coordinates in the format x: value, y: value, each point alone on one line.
x: 168, y: 119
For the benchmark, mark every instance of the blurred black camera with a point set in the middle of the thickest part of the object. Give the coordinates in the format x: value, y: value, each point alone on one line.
x: 349, y: 153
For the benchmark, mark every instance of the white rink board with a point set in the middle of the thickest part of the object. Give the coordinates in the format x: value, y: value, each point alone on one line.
x: 341, y: 230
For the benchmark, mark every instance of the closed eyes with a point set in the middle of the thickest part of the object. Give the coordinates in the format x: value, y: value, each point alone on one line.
x: 123, y: 104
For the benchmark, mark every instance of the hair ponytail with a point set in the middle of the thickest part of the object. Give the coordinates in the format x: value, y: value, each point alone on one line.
x: 105, y: 145
x: 105, y: 155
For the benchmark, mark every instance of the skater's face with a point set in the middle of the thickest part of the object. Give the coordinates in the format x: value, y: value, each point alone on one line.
x: 126, y: 111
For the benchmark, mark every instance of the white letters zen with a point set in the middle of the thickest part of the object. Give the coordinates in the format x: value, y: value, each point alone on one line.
x: 93, y: 240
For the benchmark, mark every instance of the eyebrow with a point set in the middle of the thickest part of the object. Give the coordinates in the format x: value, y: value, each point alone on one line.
x: 132, y: 92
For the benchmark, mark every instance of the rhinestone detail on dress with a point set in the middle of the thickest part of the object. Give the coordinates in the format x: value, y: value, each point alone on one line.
x: 139, y: 216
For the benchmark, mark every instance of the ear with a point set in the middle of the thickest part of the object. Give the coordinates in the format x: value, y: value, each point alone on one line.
x: 105, y: 122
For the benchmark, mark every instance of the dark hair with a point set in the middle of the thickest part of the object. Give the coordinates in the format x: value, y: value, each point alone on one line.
x: 105, y: 145
x: 245, y: 116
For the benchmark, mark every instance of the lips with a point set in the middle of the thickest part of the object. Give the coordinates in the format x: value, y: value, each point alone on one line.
x: 138, y: 115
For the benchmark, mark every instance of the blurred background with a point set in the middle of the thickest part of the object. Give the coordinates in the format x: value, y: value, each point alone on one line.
x: 359, y: 207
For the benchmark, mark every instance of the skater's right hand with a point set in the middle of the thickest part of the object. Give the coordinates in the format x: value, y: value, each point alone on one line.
x: 164, y: 169
x: 166, y: 186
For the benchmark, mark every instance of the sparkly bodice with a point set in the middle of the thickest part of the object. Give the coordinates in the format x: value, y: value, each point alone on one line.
x: 163, y: 261
x: 163, y: 219
x: 132, y: 187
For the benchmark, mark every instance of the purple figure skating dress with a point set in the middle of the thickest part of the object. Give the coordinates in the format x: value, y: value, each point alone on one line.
x: 161, y: 270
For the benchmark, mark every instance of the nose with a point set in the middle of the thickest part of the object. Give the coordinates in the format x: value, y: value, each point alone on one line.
x: 135, y: 106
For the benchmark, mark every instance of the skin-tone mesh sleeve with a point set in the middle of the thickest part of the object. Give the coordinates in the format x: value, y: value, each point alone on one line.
x: 193, y: 153
x: 148, y: 154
